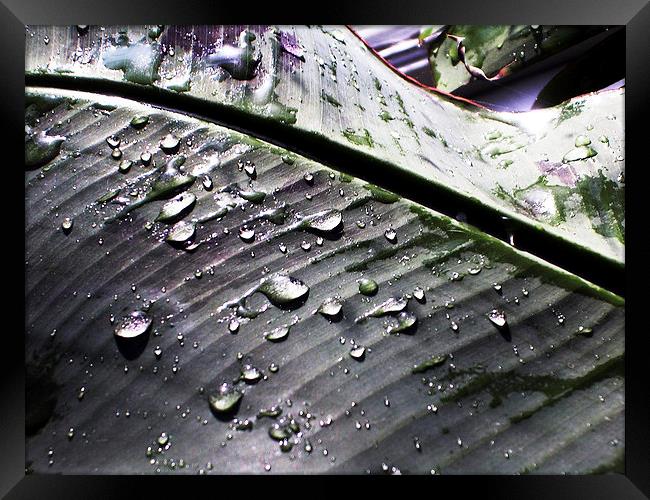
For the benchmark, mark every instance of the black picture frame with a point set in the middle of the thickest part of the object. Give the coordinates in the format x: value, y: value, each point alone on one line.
x: 634, y: 14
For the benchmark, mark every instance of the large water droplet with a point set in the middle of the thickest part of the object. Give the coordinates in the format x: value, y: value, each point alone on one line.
x: 327, y: 221
x: 41, y: 149
x: 405, y: 321
x: 282, y: 289
x: 170, y: 143
x: 498, y: 318
x: 225, y: 399
x: 392, y: 305
x: 133, y: 325
x: 181, y: 232
x: 278, y: 334
x: 176, y: 207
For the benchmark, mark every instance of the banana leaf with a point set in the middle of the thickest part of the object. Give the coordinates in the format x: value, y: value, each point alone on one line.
x: 499, y: 50
x: 291, y: 319
x: 558, y: 171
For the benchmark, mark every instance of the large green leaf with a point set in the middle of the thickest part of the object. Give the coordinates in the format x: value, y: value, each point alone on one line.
x: 558, y: 170
x: 457, y: 392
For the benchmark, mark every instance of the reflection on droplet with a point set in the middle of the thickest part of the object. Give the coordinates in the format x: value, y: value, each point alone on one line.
x: 368, y: 286
x: 66, y: 225
x: 498, y: 318
x: 330, y: 307
x: 170, y: 143
x: 225, y: 399
x: 246, y: 234
x: 358, y: 353
x: 390, y: 235
x: 133, y: 325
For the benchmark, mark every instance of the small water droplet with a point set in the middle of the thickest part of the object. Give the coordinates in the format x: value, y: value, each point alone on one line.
x: 246, y: 234
x: 170, y: 143
x: 331, y: 307
x: 368, y: 286
x: 250, y: 169
x: 250, y: 374
x: 66, y: 225
x: 358, y: 353
x: 390, y: 235
x: 498, y: 318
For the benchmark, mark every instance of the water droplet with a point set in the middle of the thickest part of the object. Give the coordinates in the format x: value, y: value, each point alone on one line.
x: 250, y: 374
x: 139, y: 121
x: 327, y: 221
x: 253, y: 196
x: 418, y: 293
x: 225, y: 399
x: 247, y: 235
x: 390, y: 235
x: 368, y: 286
x: 207, y: 182
x: 278, y: 334
x: 176, y: 207
x: 181, y: 232
x: 579, y: 153
x: 116, y: 154
x: 113, y: 141
x: 405, y: 321
x: 582, y: 140
x: 331, y: 307
x: 170, y: 143
x: 305, y: 245
x: 429, y: 364
x: 309, y: 178
x: 125, y: 166
x: 233, y: 326
x: 133, y: 325
x: 66, y: 225
x: 392, y: 305
x: 282, y: 247
x: 250, y: 170
x: 282, y: 289
x: 498, y: 318
x: 358, y: 353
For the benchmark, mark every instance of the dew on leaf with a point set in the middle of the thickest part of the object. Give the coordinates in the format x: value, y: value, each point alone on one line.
x: 225, y: 399
x: 133, y: 325
x: 368, y: 286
